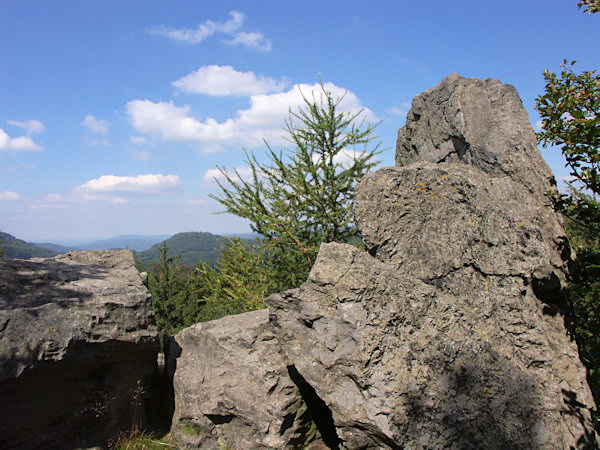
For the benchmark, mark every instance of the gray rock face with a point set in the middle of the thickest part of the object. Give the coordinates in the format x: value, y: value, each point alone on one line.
x: 233, y: 388
x: 439, y: 222
x: 403, y: 365
x: 76, y: 335
x: 452, y: 331
x: 482, y: 123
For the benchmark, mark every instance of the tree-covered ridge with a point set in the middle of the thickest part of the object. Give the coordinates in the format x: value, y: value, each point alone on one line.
x: 17, y: 248
x: 192, y: 247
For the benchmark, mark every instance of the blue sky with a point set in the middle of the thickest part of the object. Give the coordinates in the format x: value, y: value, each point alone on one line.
x: 114, y: 114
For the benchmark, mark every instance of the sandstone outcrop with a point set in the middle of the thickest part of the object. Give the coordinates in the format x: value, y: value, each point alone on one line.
x: 452, y: 331
x: 233, y: 387
x: 76, y: 335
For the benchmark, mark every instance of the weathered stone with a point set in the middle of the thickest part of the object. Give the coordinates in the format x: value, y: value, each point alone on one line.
x: 452, y: 331
x: 402, y: 364
x: 232, y: 387
x: 439, y: 221
x: 482, y: 123
x: 76, y: 335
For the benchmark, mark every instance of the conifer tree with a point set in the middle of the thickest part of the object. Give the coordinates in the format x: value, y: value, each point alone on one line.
x: 303, y: 196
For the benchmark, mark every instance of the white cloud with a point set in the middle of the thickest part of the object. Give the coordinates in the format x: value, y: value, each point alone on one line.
x: 252, y: 40
x: 231, y: 27
x: 30, y: 126
x: 141, y: 155
x: 141, y: 184
x: 197, y: 201
x: 137, y: 140
x: 8, y: 196
x: 264, y: 119
x: 399, y: 111
x: 211, y: 176
x: 100, y: 143
x: 49, y: 201
x: 344, y: 158
x: 225, y: 80
x: 97, y: 126
x: 18, y: 144
x: 204, y: 30
x: 54, y: 197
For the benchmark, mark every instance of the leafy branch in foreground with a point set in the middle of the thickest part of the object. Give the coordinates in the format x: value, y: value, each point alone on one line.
x: 590, y: 6
x: 570, y: 111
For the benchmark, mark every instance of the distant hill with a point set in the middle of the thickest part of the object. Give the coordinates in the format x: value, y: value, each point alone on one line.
x: 54, y: 247
x: 130, y: 241
x: 192, y: 246
x: 16, y: 248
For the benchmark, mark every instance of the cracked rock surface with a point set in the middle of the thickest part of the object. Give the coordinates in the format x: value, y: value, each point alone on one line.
x: 476, y: 122
x: 233, y: 388
x: 452, y: 329
x: 76, y: 334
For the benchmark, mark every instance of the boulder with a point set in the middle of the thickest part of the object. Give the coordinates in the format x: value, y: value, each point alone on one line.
x: 453, y: 329
x: 77, y: 346
x: 402, y: 364
x: 482, y: 123
x: 233, y: 387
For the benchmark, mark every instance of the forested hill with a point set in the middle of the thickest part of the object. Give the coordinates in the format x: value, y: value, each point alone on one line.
x: 192, y: 246
x: 16, y: 248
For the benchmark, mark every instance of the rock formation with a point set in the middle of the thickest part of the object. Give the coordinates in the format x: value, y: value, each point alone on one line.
x: 76, y: 335
x: 452, y: 331
x: 232, y: 387
x: 480, y: 123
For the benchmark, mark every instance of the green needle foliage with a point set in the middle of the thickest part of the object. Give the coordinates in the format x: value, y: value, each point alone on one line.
x: 303, y: 196
x: 177, y: 292
x: 240, y: 282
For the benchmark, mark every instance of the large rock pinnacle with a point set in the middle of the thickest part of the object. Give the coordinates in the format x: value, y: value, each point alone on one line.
x: 482, y: 123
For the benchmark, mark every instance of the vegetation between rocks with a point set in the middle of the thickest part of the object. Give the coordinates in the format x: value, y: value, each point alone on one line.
x: 298, y: 199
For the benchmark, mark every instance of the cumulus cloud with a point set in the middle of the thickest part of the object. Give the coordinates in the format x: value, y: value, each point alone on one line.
x: 264, y: 119
x: 231, y: 27
x: 30, y: 126
x: 18, y: 144
x: 8, y: 196
x: 401, y: 111
x: 225, y: 80
x: 211, y: 176
x: 251, y: 40
x: 141, y: 184
x: 97, y: 126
